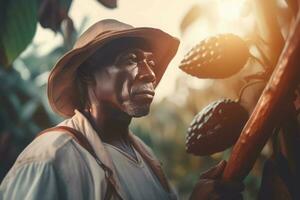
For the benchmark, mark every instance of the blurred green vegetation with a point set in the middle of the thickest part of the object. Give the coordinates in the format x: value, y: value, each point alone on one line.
x: 24, y: 109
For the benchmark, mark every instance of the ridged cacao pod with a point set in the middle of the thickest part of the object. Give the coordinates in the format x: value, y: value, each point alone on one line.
x: 216, y: 128
x: 220, y: 56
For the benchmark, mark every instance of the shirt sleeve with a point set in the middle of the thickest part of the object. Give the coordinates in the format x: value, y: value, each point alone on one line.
x: 34, y: 181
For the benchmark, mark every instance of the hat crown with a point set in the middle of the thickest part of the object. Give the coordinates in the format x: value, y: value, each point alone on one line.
x: 99, y: 28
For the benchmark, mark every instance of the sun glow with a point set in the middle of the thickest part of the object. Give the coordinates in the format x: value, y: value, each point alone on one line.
x: 219, y: 16
x: 230, y: 10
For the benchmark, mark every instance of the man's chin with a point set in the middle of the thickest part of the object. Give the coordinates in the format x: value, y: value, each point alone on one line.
x: 139, y: 111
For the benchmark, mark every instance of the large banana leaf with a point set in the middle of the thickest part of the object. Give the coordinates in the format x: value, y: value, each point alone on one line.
x: 18, y: 25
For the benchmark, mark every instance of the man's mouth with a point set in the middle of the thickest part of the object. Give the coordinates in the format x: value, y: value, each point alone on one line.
x: 142, y: 92
x: 143, y: 95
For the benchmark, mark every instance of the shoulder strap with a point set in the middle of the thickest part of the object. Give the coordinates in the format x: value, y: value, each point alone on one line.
x: 81, y: 139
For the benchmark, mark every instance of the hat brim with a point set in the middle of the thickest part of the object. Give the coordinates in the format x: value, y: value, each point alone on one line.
x: 62, y: 92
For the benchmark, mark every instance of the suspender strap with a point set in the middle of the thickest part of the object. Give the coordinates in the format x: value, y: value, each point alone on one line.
x: 81, y: 139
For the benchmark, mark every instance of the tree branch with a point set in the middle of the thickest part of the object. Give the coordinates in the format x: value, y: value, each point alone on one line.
x: 267, y: 111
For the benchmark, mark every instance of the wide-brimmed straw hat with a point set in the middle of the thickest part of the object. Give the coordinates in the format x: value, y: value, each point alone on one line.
x: 62, y: 90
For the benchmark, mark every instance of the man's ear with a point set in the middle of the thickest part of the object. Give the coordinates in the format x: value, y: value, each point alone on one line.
x: 92, y: 97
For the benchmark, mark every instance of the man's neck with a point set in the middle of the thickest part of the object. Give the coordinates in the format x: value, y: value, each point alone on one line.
x: 110, y: 123
x: 112, y: 126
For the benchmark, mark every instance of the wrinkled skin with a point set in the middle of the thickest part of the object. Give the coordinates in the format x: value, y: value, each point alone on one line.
x: 128, y: 84
x: 122, y: 90
x: 125, y: 89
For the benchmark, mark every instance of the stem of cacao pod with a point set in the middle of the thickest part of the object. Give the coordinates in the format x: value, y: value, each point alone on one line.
x: 245, y: 87
x: 265, y: 59
x: 261, y: 63
x: 267, y: 111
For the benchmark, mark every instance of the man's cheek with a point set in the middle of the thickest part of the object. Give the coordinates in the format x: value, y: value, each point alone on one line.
x: 126, y: 90
x: 123, y: 84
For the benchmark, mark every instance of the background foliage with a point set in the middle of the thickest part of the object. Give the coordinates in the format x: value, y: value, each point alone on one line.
x: 24, y: 110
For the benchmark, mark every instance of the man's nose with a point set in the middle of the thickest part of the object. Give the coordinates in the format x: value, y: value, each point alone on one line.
x: 146, y: 72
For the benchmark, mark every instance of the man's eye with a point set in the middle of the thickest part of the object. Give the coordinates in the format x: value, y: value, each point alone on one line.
x: 127, y: 59
x: 151, y: 63
x: 131, y: 59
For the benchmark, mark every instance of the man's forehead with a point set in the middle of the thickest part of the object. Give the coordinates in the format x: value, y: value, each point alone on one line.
x: 137, y: 51
x: 109, y: 52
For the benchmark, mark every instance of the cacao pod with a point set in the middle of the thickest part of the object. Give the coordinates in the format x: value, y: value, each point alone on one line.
x: 216, y: 128
x: 220, y: 56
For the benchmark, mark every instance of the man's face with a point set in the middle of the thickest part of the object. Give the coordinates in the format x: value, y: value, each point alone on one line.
x: 127, y: 84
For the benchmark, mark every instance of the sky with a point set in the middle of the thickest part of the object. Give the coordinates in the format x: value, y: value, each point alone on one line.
x: 219, y: 16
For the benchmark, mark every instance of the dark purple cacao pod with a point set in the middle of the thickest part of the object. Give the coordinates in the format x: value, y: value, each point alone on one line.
x: 109, y: 3
x: 216, y: 128
x: 51, y: 13
x: 220, y: 56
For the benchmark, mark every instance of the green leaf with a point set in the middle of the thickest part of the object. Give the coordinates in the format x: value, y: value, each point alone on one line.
x: 19, y: 26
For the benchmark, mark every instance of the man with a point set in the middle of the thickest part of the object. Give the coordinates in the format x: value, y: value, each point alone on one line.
x: 105, y: 80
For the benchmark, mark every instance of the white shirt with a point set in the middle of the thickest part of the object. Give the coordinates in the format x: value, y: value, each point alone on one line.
x: 135, y: 176
x: 55, y: 166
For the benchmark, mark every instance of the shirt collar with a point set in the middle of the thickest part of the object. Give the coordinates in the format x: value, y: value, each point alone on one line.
x: 81, y: 124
